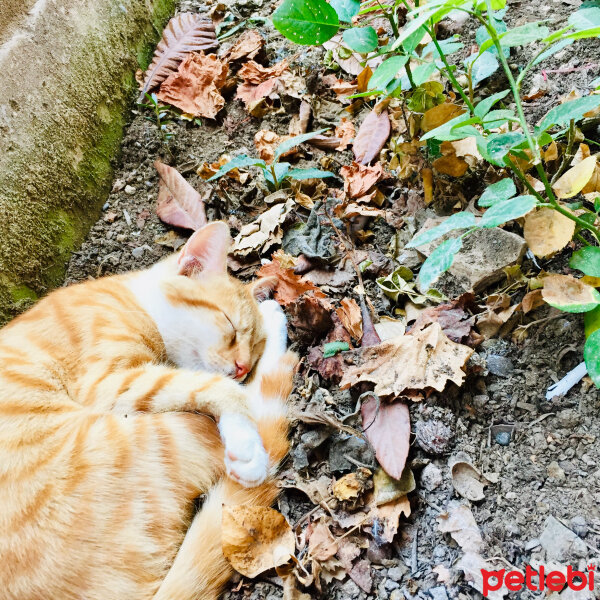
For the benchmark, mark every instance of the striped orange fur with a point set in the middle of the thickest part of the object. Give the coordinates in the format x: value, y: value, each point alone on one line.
x: 110, y: 396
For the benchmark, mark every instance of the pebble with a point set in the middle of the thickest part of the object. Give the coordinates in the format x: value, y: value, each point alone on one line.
x: 397, y: 573
x: 503, y: 438
x: 390, y: 585
x: 579, y: 525
x: 397, y: 595
x: 499, y: 365
x: 129, y: 190
x: 531, y: 544
x: 555, y: 471
x: 138, y: 252
x: 431, y: 477
x: 438, y: 593
x: 560, y: 543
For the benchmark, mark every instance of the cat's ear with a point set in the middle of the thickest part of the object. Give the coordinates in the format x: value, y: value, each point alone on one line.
x: 261, y: 288
x: 206, y: 251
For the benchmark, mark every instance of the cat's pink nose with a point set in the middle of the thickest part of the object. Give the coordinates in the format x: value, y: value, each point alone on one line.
x: 241, y: 369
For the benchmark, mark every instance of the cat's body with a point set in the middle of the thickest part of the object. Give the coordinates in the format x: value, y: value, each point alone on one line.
x: 109, y: 396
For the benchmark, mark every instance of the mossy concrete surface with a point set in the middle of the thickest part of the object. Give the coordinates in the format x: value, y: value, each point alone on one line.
x: 68, y: 80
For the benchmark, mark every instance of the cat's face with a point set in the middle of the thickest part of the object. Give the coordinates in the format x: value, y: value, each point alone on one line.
x: 208, y: 320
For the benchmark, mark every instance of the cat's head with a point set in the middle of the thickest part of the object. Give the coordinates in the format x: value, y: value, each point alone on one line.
x: 208, y: 320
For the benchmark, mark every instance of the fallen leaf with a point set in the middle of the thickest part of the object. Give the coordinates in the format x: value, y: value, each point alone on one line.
x: 433, y: 358
x: 291, y: 591
x: 345, y: 133
x: 185, y: 33
x: 387, y: 489
x: 170, y: 240
x: 352, y: 63
x: 546, y: 231
x: 348, y: 550
x: 498, y: 312
x: 361, y: 575
x: 289, y: 285
x: 349, y: 314
x: 388, y: 328
x: 551, y: 152
x: 248, y: 45
x: 460, y: 523
x: 255, y: 539
x: 387, y: 427
x: 570, y: 294
x: 440, y: 114
x: 370, y: 336
x: 310, y: 317
x: 444, y: 575
x: 371, y: 137
x: 254, y: 73
x: 575, y: 179
x: 266, y: 143
x: 473, y: 565
x: 593, y: 185
x: 427, y: 175
x: 466, y: 479
x: 263, y: 232
x: 532, y: 300
x: 194, y: 88
x: 321, y: 543
x: 353, y: 485
x: 385, y: 519
x: 179, y: 204
x: 360, y: 179
x: 450, y: 165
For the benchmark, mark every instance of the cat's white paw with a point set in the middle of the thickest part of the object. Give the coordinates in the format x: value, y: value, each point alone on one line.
x: 246, y: 459
x: 275, y: 324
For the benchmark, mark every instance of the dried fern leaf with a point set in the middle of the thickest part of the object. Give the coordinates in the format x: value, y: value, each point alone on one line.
x: 186, y: 32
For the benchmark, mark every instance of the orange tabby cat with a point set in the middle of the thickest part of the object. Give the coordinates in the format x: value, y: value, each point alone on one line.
x: 107, y: 390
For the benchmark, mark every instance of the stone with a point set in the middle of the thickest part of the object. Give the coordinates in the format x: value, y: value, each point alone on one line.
x: 438, y: 593
x: 431, y: 477
x: 348, y: 445
x: 555, y: 471
x: 499, y: 365
x: 68, y: 77
x: 397, y: 573
x: 138, y: 252
x: 560, y: 543
x: 480, y: 263
x: 129, y: 190
x: 580, y: 526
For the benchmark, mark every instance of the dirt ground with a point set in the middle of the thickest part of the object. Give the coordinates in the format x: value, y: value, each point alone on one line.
x: 543, y: 455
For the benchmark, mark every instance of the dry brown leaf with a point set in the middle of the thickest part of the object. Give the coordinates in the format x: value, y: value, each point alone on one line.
x: 388, y: 328
x: 179, y: 204
x: 353, y: 485
x: 290, y: 286
x: 536, y: 184
x: 361, y: 575
x: 440, y: 114
x: 460, y: 523
x: 185, y: 33
x: 593, y: 185
x: 349, y: 314
x: 248, y: 45
x: 566, y: 290
x: 387, y: 427
x: 551, y: 152
x: 194, y: 88
x: 451, y: 165
x: 473, y: 565
x: 253, y: 73
x: 387, y: 489
x: 267, y: 141
x: 546, y: 231
x: 321, y: 543
x: 256, y: 539
x: 532, y: 300
x: 388, y: 516
x: 345, y: 133
x: 582, y: 153
x: 575, y: 179
x: 371, y: 137
x: 433, y: 358
x: 339, y: 86
x: 291, y: 591
x: 467, y: 149
x: 466, y: 479
x: 360, y: 179
x: 427, y: 175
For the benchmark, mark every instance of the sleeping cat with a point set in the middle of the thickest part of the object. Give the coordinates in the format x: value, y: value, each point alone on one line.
x: 109, y: 392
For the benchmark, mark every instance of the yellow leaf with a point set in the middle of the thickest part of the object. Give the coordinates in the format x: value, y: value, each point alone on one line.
x: 256, y: 539
x: 438, y: 115
x: 575, y: 179
x: 427, y: 175
x: 582, y: 153
x: 546, y: 231
x: 593, y: 185
x: 451, y: 165
x: 352, y: 485
x: 551, y: 152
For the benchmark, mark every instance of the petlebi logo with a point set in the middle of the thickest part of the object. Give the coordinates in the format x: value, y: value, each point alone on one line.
x: 540, y: 580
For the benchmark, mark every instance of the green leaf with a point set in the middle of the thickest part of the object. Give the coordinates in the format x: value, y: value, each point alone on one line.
x: 502, y: 212
x: 333, y: 348
x: 300, y: 174
x: 482, y: 36
x: 361, y: 39
x: 306, y: 22
x: 295, y: 141
x: 484, y: 65
x: 498, y: 192
x: 497, y: 118
x: 346, y: 9
x: 439, y: 261
x: 499, y: 145
x: 587, y: 259
x: 281, y: 171
x: 519, y: 36
x: 422, y: 73
x: 552, y: 50
x: 585, y: 18
x: 591, y: 355
x: 485, y: 106
x: 449, y: 46
x: 413, y: 40
x: 461, y: 220
x: 237, y: 163
x: 591, y: 320
x: 386, y: 71
x: 563, y: 113
x: 412, y: 26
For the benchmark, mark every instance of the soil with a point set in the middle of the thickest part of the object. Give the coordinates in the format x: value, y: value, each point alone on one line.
x: 543, y: 455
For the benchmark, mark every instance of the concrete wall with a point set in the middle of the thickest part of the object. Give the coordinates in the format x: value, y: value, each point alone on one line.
x: 66, y: 81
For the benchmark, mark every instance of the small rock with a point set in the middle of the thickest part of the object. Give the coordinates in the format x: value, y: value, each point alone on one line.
x: 349, y: 445
x: 129, y: 190
x: 579, y: 525
x: 499, y: 365
x: 560, y: 543
x: 390, y: 585
x: 502, y: 438
x: 397, y: 573
x: 531, y: 544
x: 438, y: 593
x: 431, y: 477
x: 439, y: 552
x: 138, y: 252
x: 555, y: 471
x: 568, y: 418
x: 397, y: 595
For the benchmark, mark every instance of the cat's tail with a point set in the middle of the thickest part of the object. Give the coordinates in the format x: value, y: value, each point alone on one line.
x: 200, y: 570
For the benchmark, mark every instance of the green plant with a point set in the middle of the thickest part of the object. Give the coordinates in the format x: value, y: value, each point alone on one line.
x: 277, y: 172
x: 164, y: 116
x: 504, y: 137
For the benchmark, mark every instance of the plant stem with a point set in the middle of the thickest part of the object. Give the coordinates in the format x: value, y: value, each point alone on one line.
x: 410, y: 76
x: 275, y: 182
x: 568, y: 152
x: 582, y: 239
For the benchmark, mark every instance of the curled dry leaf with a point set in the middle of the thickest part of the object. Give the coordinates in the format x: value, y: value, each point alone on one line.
x: 387, y: 427
x: 185, y: 33
x: 575, y: 179
x: 460, y: 523
x: 255, y: 539
x: 179, y: 204
x: 248, y: 45
x: 266, y: 143
x: 387, y: 489
x: 546, y: 231
x: 349, y: 314
x: 466, y: 479
x: 253, y: 73
x: 532, y: 300
x: 194, y: 88
x: 321, y: 543
x: 291, y: 591
x: 387, y: 518
x: 388, y: 328
x: 289, y: 285
x: 371, y: 137
x: 345, y: 133
x: 353, y: 485
x: 567, y: 292
x: 360, y: 179
x: 440, y: 114
x: 433, y: 358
